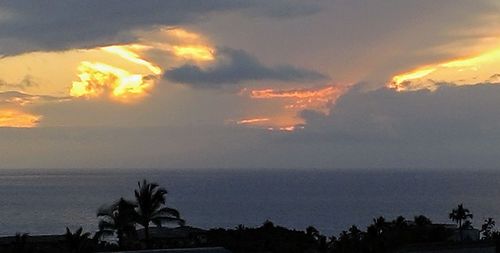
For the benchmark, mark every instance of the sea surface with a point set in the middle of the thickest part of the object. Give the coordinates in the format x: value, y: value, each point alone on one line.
x: 46, y: 201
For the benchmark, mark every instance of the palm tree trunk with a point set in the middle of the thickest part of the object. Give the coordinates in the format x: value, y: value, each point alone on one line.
x: 460, y: 230
x: 146, y: 235
x: 120, y: 239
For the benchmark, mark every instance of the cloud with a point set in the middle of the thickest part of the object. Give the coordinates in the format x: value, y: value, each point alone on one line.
x: 449, y: 112
x: 18, y: 119
x: 58, y: 25
x: 451, y: 127
x: 237, y: 66
x: 15, y: 98
x: 27, y: 82
x: 13, y: 105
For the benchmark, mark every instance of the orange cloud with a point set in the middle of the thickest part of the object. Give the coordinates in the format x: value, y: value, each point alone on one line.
x: 194, y: 52
x: 251, y: 121
x: 12, y: 118
x: 183, y: 44
x: 318, y: 99
x: 19, y: 99
x: 272, y: 124
x: 97, y: 79
x: 127, y: 52
x: 465, y: 71
x: 292, y: 101
x: 105, y: 78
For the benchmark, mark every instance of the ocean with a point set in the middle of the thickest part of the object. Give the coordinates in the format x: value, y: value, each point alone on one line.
x: 46, y: 201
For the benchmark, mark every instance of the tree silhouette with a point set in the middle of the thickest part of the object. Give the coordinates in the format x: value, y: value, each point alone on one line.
x: 151, y: 207
x: 77, y: 241
x: 118, y: 218
x: 312, y: 232
x: 20, y: 244
x: 422, y: 221
x: 460, y: 215
x: 487, y: 228
x: 380, y: 225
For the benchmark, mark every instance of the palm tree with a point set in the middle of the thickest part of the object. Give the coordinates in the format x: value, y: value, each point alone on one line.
x: 77, y: 241
x: 380, y: 225
x: 118, y: 218
x: 460, y: 215
x: 151, y: 207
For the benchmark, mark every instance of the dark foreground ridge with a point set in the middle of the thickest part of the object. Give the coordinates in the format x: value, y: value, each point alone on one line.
x: 146, y: 224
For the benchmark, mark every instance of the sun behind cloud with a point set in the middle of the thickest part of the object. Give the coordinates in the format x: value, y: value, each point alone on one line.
x: 123, y: 73
x: 97, y: 79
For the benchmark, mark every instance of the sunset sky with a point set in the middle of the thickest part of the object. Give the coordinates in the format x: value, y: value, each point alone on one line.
x: 250, y: 84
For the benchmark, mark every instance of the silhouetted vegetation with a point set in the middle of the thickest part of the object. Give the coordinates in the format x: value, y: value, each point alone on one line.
x: 139, y: 224
x: 487, y: 232
x: 461, y: 216
x: 267, y: 238
x: 118, y: 219
x: 78, y: 242
x: 150, y: 200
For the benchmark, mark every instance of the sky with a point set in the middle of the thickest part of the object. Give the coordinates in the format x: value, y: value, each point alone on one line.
x: 250, y: 84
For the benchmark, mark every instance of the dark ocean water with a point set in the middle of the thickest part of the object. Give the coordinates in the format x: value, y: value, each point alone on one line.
x: 46, y: 201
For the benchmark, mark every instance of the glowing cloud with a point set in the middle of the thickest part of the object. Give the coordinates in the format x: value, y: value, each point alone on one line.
x: 199, y: 53
x: 292, y: 101
x: 12, y: 118
x: 467, y: 71
x: 98, y: 79
x: 317, y: 99
x: 183, y: 44
x: 127, y: 53
x: 19, y: 99
x: 101, y: 78
x: 403, y: 81
x: 182, y: 34
x: 271, y: 124
x: 251, y: 121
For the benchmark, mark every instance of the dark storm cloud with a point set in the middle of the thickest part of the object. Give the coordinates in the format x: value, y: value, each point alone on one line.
x: 57, y: 25
x: 236, y: 66
x: 452, y: 127
x: 449, y: 113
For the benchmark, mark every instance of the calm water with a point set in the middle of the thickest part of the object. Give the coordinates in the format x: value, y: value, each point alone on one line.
x: 46, y: 201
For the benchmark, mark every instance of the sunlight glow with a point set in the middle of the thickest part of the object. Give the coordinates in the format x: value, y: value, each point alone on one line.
x: 97, y: 79
x: 251, y: 121
x: 317, y: 99
x: 17, y: 119
x: 399, y: 80
x: 291, y: 102
x: 199, y: 53
x: 482, y: 68
x: 125, y: 51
